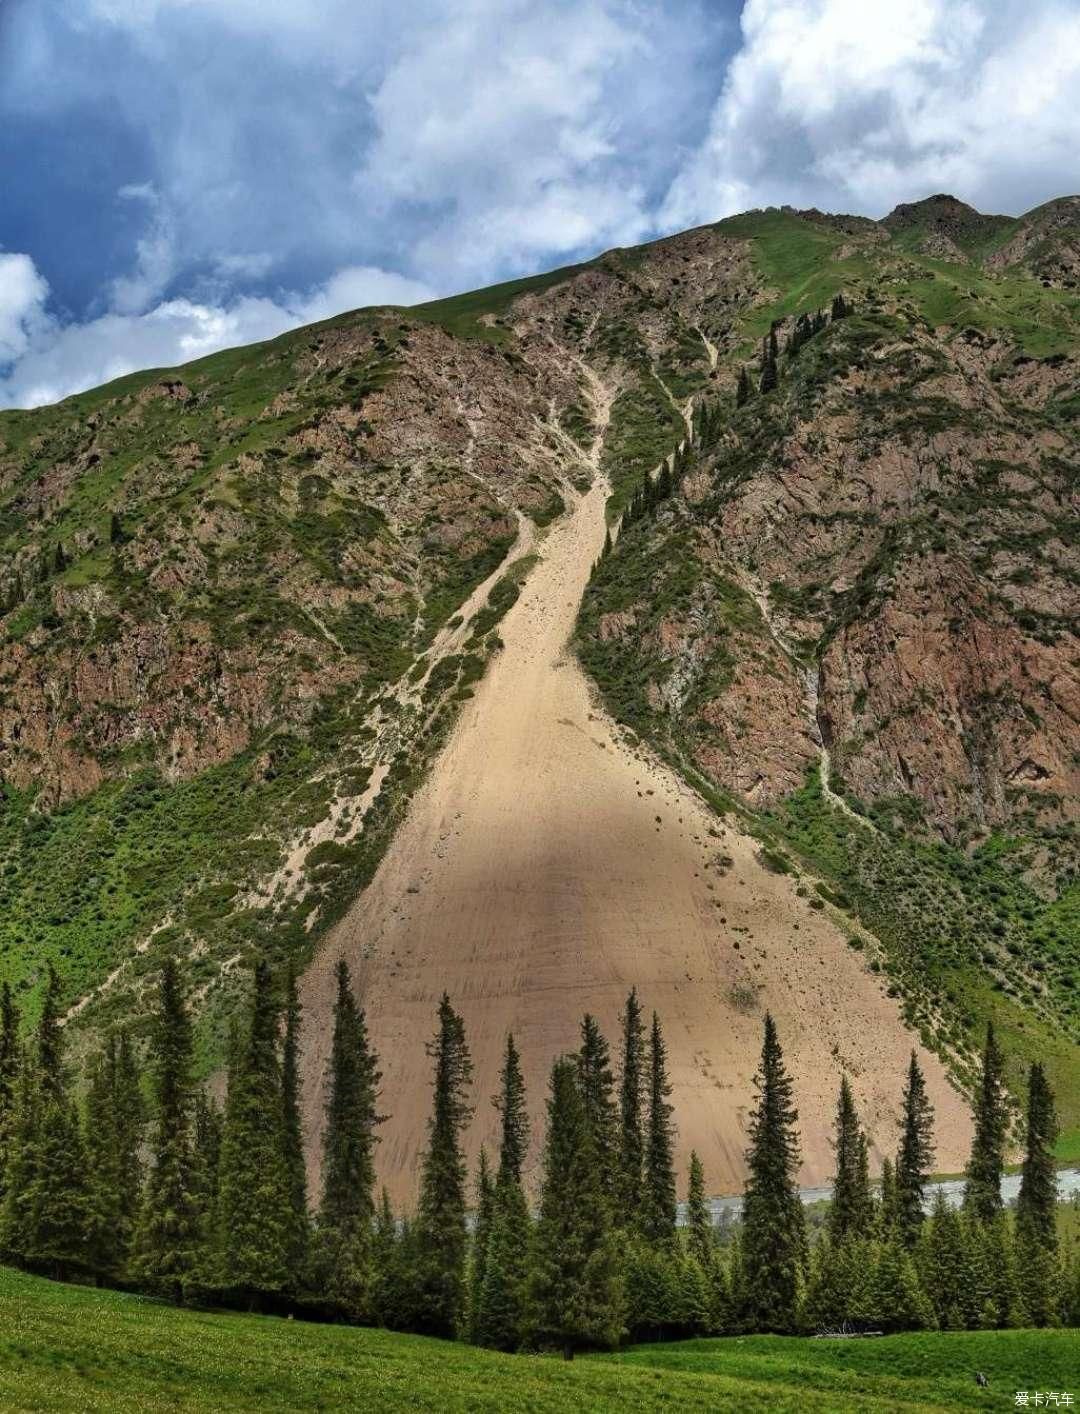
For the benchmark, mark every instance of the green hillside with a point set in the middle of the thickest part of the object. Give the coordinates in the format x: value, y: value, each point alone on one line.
x: 66, y: 1348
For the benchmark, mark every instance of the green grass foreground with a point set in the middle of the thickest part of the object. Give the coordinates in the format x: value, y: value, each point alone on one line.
x: 73, y: 1348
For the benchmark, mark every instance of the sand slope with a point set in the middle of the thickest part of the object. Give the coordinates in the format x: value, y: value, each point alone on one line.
x: 545, y: 868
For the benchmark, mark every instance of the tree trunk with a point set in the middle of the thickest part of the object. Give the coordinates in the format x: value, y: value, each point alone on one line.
x: 568, y: 1350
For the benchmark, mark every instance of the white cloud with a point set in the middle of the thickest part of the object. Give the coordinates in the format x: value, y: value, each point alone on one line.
x: 155, y: 255
x: 857, y: 106
x: 50, y: 360
x: 22, y: 302
x: 527, y: 158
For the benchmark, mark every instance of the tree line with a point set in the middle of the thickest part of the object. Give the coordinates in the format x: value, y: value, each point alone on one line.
x: 136, y: 1177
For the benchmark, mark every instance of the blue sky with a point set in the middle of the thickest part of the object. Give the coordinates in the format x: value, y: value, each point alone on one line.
x: 181, y: 175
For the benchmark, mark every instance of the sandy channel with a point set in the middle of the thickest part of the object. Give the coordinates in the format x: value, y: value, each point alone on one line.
x: 544, y: 869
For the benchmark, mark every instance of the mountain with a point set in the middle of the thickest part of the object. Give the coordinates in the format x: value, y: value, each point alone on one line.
x: 285, y: 668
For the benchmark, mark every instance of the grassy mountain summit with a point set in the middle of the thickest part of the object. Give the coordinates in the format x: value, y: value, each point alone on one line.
x: 245, y: 599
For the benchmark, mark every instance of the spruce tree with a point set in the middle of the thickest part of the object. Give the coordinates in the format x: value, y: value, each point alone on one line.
x: 478, y: 1248
x: 105, y: 1252
x: 899, y: 1300
x: 774, y: 1247
x: 982, y: 1193
x: 130, y: 1128
x: 167, y: 1234
x: 1040, y: 1276
x: 597, y: 1095
x: 10, y: 1055
x: 742, y: 391
x: 207, y: 1126
x: 1036, y: 1205
x: 851, y: 1212
x: 631, y: 1096
x: 440, y: 1222
x: 510, y: 1103
x: 344, y: 1242
x: 46, y: 1215
x: 293, y: 1137
x: 501, y: 1314
x: 699, y: 1227
x: 21, y: 1167
x: 659, y: 1207
x: 48, y: 1041
x: 574, y: 1285
x: 254, y: 1201
x: 60, y: 1208
x: 915, y: 1159
x: 886, y: 1207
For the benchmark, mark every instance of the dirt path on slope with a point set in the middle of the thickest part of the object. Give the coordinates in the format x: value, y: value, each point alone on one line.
x: 545, y: 868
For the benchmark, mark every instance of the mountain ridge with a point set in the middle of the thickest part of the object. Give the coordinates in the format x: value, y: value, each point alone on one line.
x: 230, y: 653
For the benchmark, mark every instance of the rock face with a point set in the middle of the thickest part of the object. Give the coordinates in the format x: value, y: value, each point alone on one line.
x: 254, y: 591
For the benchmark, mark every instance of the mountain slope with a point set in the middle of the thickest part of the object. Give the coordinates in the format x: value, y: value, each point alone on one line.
x: 247, y: 600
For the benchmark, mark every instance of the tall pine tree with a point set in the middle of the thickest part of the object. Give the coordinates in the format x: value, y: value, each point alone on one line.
x: 1036, y: 1204
x: 10, y: 1054
x: 915, y: 1159
x: 774, y: 1246
x: 254, y: 1202
x: 575, y: 1289
x: 851, y: 1212
x: 597, y: 1095
x: 501, y: 1315
x: 699, y: 1226
x: 631, y: 1097
x: 478, y: 1248
x: 166, y: 1239
x: 344, y: 1245
x: 659, y: 1207
x: 982, y: 1193
x: 293, y: 1138
x: 440, y: 1221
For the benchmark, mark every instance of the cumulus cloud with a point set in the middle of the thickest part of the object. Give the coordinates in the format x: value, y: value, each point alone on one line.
x: 856, y: 106
x: 22, y: 304
x: 49, y: 359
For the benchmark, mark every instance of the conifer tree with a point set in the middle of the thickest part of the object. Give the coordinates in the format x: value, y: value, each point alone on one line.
x: 105, y: 1252
x: 207, y: 1127
x: 167, y: 1234
x: 478, y: 1248
x: 129, y: 1110
x: 60, y: 1206
x: 768, y: 365
x: 899, y: 1300
x: 510, y: 1103
x: 885, y: 1208
x: 500, y: 1319
x: 1040, y: 1277
x: 253, y: 1188
x: 574, y: 1284
x: 48, y: 1042
x: 10, y: 1055
x: 742, y: 391
x: 389, y: 1297
x: 344, y: 1255
x: 46, y: 1211
x: 982, y: 1193
x: 21, y: 1167
x: 502, y: 1316
x: 116, y: 530
x: 293, y: 1136
x: 774, y: 1247
x: 699, y: 1227
x: 946, y: 1264
x: 631, y: 1096
x: 915, y: 1159
x: 440, y: 1223
x: 851, y: 1212
x: 659, y: 1207
x: 1036, y: 1205
x: 597, y: 1095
